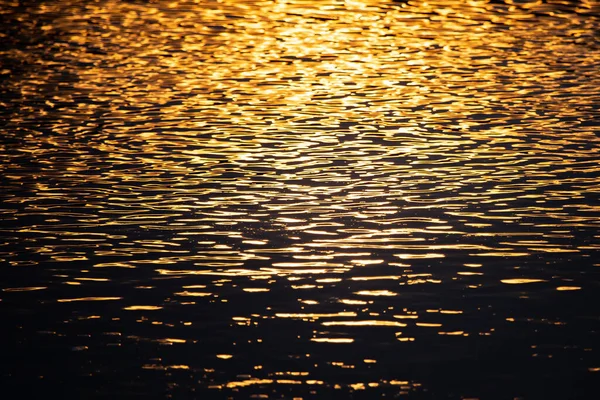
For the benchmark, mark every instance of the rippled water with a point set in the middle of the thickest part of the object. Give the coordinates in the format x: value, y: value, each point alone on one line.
x: 300, y: 199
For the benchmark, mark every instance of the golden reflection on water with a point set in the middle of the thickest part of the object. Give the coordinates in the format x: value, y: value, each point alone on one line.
x: 339, y: 166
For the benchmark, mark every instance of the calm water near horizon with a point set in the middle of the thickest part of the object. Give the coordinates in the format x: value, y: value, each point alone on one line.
x: 295, y: 199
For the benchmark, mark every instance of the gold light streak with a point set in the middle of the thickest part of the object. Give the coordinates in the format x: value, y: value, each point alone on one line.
x: 332, y: 340
x: 363, y: 323
x: 24, y: 289
x: 89, y: 299
x: 521, y: 281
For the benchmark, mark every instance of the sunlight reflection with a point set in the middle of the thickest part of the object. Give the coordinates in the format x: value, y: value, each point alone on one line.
x: 264, y: 180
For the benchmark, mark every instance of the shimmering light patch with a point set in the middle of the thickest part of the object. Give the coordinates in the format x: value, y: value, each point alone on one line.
x: 428, y: 325
x: 114, y: 265
x: 171, y: 341
x: 25, y: 289
x: 316, y: 316
x: 367, y: 262
x: 332, y: 340
x: 419, y: 256
x: 249, y: 382
x: 519, y: 281
x: 164, y: 368
x: 256, y: 290
x: 293, y: 373
x: 567, y: 288
x: 89, y: 299
x: 364, y: 323
x: 406, y: 316
x: 352, y: 302
x: 374, y: 278
x: 224, y: 356
x: 93, y: 279
x: 451, y: 311
x: 256, y: 242
x: 376, y: 293
x: 300, y: 287
x: 187, y: 293
x: 142, y: 308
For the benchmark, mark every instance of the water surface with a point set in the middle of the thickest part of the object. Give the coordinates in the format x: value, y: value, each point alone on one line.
x: 300, y: 199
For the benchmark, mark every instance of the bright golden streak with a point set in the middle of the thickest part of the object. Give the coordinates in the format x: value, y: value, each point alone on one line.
x: 144, y: 308
x: 363, y: 323
x: 519, y: 281
x: 568, y: 288
x: 89, y: 299
x: 332, y: 340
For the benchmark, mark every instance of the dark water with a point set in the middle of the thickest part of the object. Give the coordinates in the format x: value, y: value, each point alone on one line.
x: 300, y: 199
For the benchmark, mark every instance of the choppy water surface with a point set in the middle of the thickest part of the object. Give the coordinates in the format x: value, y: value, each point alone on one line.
x: 300, y: 199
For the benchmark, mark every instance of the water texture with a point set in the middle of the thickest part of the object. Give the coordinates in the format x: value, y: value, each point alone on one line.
x: 300, y: 199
